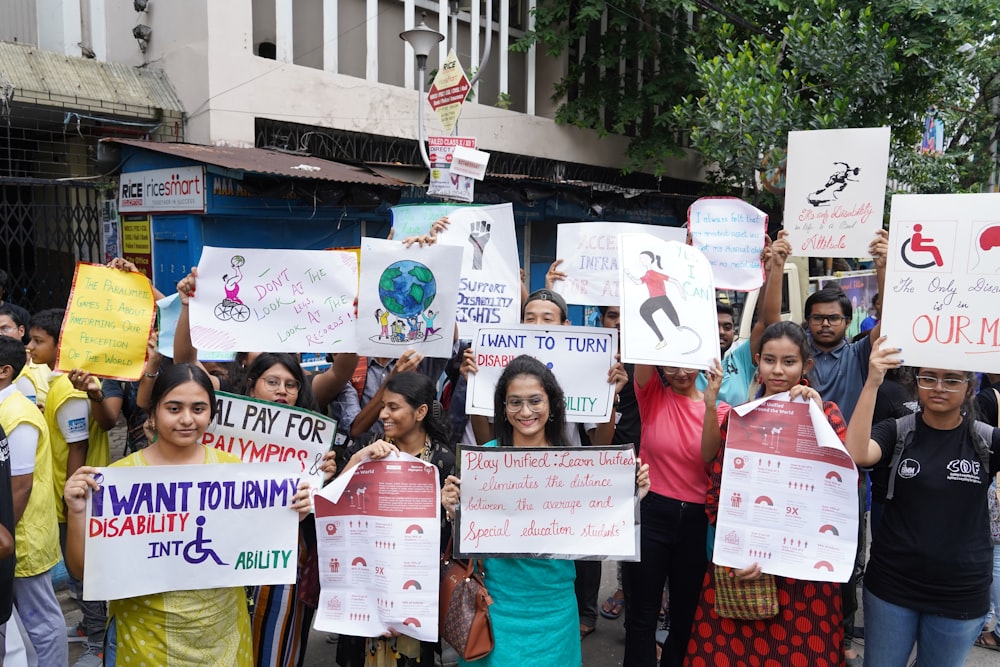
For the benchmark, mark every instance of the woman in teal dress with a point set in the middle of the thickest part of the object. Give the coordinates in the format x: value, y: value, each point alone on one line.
x: 534, y: 613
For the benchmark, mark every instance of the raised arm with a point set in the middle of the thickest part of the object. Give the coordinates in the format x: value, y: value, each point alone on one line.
x: 327, y: 385
x: 409, y: 361
x: 865, y: 451
x: 184, y: 349
x: 771, y: 293
x: 605, y: 433
x: 879, y: 250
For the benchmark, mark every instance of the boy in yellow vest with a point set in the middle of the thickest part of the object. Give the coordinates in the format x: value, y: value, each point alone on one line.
x: 76, y: 440
x: 33, y: 380
x: 37, y: 532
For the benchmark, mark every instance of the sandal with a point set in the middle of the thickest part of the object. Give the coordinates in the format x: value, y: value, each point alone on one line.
x: 988, y: 640
x: 613, y: 606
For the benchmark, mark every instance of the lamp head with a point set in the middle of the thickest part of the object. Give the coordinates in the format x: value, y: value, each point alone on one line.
x: 423, y: 40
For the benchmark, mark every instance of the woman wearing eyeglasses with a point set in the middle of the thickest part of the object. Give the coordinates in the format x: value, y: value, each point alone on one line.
x: 674, y: 524
x: 928, y: 580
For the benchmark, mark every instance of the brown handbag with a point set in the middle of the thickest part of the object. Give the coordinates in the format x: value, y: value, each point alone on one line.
x: 744, y: 600
x: 465, y: 607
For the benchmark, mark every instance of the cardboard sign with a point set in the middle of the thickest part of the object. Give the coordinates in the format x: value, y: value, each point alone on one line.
x: 469, y: 162
x: 668, y: 315
x: 416, y: 219
x: 276, y: 300
x: 191, y: 527
x: 589, y: 251
x: 169, y: 308
x: 943, y: 280
x: 835, y: 190
x: 544, y: 502
x: 107, y: 323
x: 407, y: 298
x: 378, y: 532
x: 730, y: 233
x: 579, y: 357
x: 263, y: 432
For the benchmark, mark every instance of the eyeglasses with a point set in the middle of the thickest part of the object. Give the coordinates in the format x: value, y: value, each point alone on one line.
x: 273, y: 383
x: 534, y: 403
x: 7, y: 329
x: 671, y: 370
x: 952, y: 385
x: 832, y: 319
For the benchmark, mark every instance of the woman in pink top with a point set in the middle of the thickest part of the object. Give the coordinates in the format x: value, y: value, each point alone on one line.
x: 674, y: 524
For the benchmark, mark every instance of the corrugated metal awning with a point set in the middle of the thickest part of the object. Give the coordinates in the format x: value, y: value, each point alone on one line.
x: 264, y: 161
x: 34, y: 70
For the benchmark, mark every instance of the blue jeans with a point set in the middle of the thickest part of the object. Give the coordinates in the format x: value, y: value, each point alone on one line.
x: 891, y: 631
x: 995, y: 593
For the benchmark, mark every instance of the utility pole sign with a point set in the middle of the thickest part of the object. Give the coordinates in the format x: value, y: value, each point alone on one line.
x: 448, y: 92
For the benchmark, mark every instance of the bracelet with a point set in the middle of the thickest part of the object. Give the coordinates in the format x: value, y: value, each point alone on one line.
x: 96, y: 400
x: 151, y: 375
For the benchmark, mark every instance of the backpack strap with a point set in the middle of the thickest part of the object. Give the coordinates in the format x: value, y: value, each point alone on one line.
x: 905, y: 426
x: 982, y: 438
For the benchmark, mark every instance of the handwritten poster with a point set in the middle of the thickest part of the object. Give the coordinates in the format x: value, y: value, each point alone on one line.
x: 730, y: 233
x: 275, y: 300
x: 943, y: 281
x: 262, y: 432
x: 407, y: 298
x: 489, y: 291
x: 835, y: 190
x: 190, y: 527
x: 416, y: 219
x: 378, y: 531
x: 789, y: 495
x: 668, y: 315
x: 589, y: 251
x: 107, y: 323
x: 579, y: 357
x: 571, y: 502
x: 169, y: 308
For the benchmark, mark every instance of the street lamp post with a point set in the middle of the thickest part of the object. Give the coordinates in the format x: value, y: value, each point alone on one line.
x: 422, y: 39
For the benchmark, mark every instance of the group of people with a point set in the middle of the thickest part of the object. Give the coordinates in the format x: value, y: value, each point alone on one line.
x: 928, y: 582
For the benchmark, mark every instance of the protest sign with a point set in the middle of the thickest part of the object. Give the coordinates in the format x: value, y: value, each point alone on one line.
x: 666, y: 320
x: 169, y: 308
x: 275, y: 300
x: 107, y: 323
x: 789, y: 494
x: 262, y: 431
x: 190, y: 527
x: 489, y: 291
x: 378, y: 534
x: 730, y: 233
x: 407, y: 298
x: 444, y: 182
x: 542, y: 502
x: 860, y: 289
x: 835, y: 190
x: 579, y: 357
x: 416, y: 219
x: 942, y: 281
x: 589, y: 251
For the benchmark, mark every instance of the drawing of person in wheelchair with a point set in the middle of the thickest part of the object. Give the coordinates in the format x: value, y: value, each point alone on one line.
x: 232, y: 308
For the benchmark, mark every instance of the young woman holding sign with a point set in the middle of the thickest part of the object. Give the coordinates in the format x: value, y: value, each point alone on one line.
x: 180, y: 627
x: 534, y: 611
x: 807, y: 628
x: 928, y: 580
x: 416, y: 424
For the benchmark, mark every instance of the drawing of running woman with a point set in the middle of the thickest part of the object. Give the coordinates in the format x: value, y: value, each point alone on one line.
x: 656, y: 283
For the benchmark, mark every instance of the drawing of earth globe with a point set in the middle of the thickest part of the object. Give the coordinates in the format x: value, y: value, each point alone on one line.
x: 407, y: 288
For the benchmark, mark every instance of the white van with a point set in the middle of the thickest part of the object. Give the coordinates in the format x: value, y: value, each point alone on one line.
x: 794, y: 290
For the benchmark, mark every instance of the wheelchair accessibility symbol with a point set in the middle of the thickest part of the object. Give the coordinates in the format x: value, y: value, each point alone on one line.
x: 918, y: 243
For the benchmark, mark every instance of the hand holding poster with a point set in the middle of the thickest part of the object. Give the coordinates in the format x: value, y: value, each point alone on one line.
x: 566, y: 502
x: 107, y: 323
x: 407, y: 298
x: 667, y: 319
x: 730, y: 233
x: 578, y: 356
x: 190, y: 527
x: 789, y: 494
x: 262, y: 432
x: 275, y: 300
x: 835, y: 190
x: 489, y: 291
x: 942, y: 281
x: 589, y: 251
x: 378, y: 533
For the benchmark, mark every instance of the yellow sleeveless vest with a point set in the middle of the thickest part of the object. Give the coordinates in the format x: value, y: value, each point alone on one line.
x: 38, y: 376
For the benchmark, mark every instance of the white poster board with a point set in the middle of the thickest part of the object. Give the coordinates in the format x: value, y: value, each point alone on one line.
x: 942, y: 284
x: 407, y: 298
x: 668, y: 314
x: 416, y: 219
x: 274, y: 300
x: 579, y: 357
x: 835, y: 190
x: 262, y: 432
x: 444, y: 182
x: 548, y: 502
x: 489, y: 291
x: 190, y: 527
x: 730, y: 233
x: 789, y: 494
x: 378, y: 533
x: 589, y: 251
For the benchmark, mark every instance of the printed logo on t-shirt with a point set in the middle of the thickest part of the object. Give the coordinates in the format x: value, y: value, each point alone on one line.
x: 909, y: 468
x: 964, y: 470
x: 77, y: 426
x: 4, y: 449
